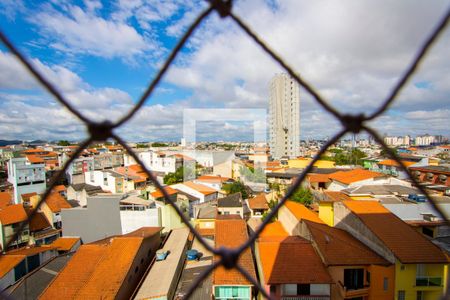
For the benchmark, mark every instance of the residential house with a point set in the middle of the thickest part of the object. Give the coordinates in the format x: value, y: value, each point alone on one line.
x: 202, y: 192
x: 205, y: 218
x: 437, y: 175
x: 80, y: 192
x: 230, y: 283
x: 41, y: 231
x: 420, y: 266
x: 79, y: 166
x: 231, y: 205
x: 169, y: 216
x: 35, y: 256
x: 123, y: 258
x: 289, y: 267
x: 66, y: 244
x: 26, y: 177
x: 215, y: 182
x: 5, y: 199
x: 52, y: 207
x: 11, y: 218
x: 12, y: 268
x: 391, y: 167
x: 345, y: 179
x: 326, y: 205
x: 258, y: 205
x: 291, y: 213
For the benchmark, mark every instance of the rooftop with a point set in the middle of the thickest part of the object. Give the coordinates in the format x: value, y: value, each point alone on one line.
x: 348, y: 177
x: 56, y: 202
x: 280, y: 266
x: 301, y: 212
x: 65, y: 243
x: 232, y: 233
x: 205, y: 190
x: 233, y: 200
x: 408, y: 245
x: 258, y: 202
x: 12, y: 214
x: 158, y: 194
x: 338, y: 247
x: 333, y: 196
x: 393, y: 163
x: 8, y: 262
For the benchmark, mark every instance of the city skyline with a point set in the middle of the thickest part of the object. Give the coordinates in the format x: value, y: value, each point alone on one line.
x: 220, y: 68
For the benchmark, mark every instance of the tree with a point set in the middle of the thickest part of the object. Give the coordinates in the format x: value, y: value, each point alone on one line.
x: 303, y: 196
x: 142, y: 145
x: 157, y: 144
x: 385, y: 153
x: 63, y: 143
x: 236, y: 187
x: 178, y: 175
x: 253, y: 175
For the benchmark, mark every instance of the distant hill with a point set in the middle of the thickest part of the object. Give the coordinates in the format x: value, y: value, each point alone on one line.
x: 6, y: 142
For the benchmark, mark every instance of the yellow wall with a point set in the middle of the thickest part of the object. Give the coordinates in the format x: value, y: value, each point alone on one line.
x: 326, y: 213
x: 405, y: 280
x: 362, y: 198
x: 170, y: 218
x: 303, y: 163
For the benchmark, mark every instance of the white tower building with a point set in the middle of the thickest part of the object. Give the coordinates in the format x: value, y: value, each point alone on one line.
x: 284, y: 114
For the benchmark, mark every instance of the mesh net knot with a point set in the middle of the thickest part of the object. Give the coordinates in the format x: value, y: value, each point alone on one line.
x: 100, y: 131
x: 353, y: 123
x: 229, y: 257
x: 223, y: 7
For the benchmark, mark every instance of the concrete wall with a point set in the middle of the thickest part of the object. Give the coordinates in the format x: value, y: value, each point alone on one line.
x: 135, y: 219
x: 289, y: 221
x: 100, y: 219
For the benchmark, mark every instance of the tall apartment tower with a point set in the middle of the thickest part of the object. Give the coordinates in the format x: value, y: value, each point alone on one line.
x: 284, y: 114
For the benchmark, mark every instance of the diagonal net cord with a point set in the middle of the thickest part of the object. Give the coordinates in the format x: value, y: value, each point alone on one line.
x: 351, y: 123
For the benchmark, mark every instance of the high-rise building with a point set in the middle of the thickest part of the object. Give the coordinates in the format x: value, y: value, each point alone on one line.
x: 284, y: 114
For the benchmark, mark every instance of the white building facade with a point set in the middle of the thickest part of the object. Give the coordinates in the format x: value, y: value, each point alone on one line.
x: 26, y: 177
x: 284, y: 117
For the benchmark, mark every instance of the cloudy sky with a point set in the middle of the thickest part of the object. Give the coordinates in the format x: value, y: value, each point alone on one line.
x: 101, y: 55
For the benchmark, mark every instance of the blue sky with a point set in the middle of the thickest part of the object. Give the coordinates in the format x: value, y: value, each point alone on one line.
x: 103, y: 54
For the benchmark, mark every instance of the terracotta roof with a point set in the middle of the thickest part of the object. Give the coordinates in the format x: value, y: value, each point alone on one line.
x: 8, y: 262
x: 30, y: 251
x: 56, y: 202
x: 65, y: 243
x: 205, y: 190
x: 210, y: 178
x: 12, y: 214
x: 391, y: 162
x: 348, y: 177
x: 274, y: 163
x: 232, y: 233
x: 34, y: 159
x: 301, y: 212
x: 338, y: 247
x: 5, y: 199
x: 96, y: 271
x: 158, y: 194
x: 144, y: 232
x: 59, y: 188
x: 408, y: 245
x: 258, y: 202
x: 27, y: 196
x: 316, y: 178
x: 333, y: 196
x: 39, y: 222
x: 37, y: 150
x: 281, y: 265
x: 273, y: 230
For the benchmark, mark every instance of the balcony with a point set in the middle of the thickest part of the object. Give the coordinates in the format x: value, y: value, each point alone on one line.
x: 428, y: 281
x: 353, y: 292
x: 305, y: 297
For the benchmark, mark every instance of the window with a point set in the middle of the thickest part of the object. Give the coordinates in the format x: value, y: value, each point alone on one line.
x: 303, y: 289
x: 368, y: 277
x: 401, y: 295
x: 354, y: 279
x: 273, y: 290
x: 385, y: 283
x: 420, y: 295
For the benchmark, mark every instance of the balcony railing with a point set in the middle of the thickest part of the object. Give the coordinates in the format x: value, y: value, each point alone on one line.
x: 305, y: 297
x: 428, y: 281
x: 353, y: 292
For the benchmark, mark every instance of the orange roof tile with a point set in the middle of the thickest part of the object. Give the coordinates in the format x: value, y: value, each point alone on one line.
x: 280, y: 266
x: 75, y: 274
x: 30, y: 251
x: 391, y: 162
x: 96, y: 271
x: 5, y: 199
x: 59, y: 188
x: 315, y: 178
x: 348, y: 177
x: 333, y: 196
x: 34, y: 159
x: 27, y: 196
x: 158, y: 194
x: 39, y: 222
x: 12, y: 214
x: 37, y: 150
x: 56, y: 202
x: 210, y: 178
x: 8, y: 262
x: 65, y: 243
x: 338, y: 247
x: 258, y: 202
x: 205, y: 190
x: 274, y: 229
x: 232, y: 233
x: 408, y: 245
x: 301, y: 212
